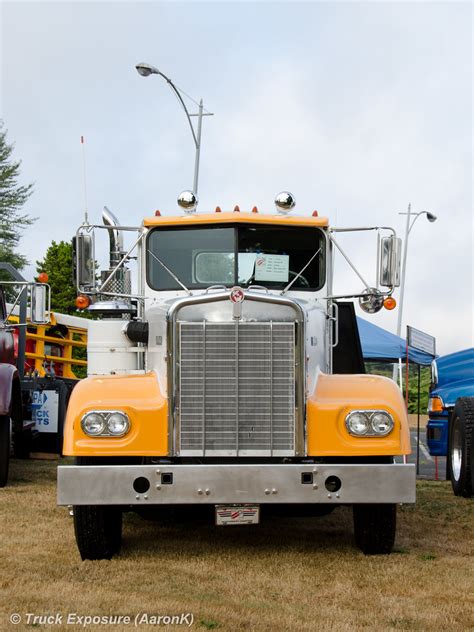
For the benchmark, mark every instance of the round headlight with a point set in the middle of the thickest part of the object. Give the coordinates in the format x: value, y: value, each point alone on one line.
x: 382, y: 423
x: 357, y: 423
x: 118, y: 424
x: 93, y: 424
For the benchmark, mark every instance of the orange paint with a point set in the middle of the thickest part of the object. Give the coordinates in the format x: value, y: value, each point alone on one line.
x: 334, y: 397
x: 137, y: 395
x: 235, y: 218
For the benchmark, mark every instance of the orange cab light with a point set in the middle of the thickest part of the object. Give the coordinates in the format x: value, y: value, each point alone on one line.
x: 236, y: 209
x: 255, y: 209
x: 435, y: 404
x: 157, y: 213
x: 315, y: 214
x: 390, y: 303
x: 218, y: 209
x: 43, y: 277
x: 82, y: 301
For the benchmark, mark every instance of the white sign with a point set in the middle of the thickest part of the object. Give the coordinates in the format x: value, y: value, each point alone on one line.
x: 44, y: 410
x: 419, y: 340
x: 272, y: 268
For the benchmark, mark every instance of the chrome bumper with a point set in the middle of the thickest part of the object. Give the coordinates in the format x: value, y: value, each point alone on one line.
x: 227, y: 484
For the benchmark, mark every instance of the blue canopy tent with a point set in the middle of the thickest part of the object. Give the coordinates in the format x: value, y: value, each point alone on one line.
x: 379, y: 345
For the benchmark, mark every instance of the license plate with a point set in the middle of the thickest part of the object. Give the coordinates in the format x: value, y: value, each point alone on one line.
x: 237, y: 514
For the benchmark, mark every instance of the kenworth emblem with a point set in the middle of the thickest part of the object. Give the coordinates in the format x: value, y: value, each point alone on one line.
x: 237, y: 296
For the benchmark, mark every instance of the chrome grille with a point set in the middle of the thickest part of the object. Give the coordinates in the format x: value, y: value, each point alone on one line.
x: 237, y: 388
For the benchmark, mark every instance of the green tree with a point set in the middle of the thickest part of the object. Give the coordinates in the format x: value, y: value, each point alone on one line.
x: 13, y: 196
x: 57, y: 263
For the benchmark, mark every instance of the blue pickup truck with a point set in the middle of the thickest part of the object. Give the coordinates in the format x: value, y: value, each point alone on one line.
x: 450, y: 429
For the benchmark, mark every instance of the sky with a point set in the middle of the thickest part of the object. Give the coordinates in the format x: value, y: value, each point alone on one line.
x: 357, y: 108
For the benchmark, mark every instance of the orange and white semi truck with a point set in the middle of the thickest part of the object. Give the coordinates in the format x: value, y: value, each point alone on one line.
x: 231, y: 376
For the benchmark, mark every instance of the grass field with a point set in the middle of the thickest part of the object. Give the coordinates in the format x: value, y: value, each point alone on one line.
x: 287, y: 574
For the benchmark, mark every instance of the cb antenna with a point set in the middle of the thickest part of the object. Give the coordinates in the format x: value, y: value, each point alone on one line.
x: 86, y: 215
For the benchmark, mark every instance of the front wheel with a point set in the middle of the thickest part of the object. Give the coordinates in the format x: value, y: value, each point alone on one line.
x: 374, y: 528
x: 461, y: 449
x: 98, y: 531
x: 4, y: 449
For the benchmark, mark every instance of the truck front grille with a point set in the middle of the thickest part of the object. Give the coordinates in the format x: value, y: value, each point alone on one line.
x: 236, y: 388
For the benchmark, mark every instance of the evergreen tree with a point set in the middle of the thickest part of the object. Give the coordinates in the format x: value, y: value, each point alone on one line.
x: 13, y: 196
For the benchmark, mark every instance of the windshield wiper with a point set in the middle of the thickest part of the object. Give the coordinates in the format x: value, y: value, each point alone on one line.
x: 300, y: 272
x: 170, y: 273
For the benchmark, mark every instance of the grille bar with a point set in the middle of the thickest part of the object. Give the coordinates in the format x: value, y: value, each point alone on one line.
x: 237, y: 388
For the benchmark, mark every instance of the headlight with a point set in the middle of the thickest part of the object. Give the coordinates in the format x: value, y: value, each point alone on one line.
x: 369, y: 423
x: 105, y: 423
x: 93, y: 424
x: 382, y: 423
x: 357, y: 423
x: 118, y: 424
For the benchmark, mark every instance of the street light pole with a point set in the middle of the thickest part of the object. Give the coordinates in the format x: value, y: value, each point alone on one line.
x: 431, y: 218
x: 145, y: 70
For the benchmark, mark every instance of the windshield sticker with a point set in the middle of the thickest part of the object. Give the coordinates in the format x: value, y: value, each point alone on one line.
x: 272, y: 267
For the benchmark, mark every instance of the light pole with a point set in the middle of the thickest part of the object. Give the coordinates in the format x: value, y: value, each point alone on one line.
x: 145, y: 70
x: 411, y: 219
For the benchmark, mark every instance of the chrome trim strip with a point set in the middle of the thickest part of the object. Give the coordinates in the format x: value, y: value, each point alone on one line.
x: 214, y: 484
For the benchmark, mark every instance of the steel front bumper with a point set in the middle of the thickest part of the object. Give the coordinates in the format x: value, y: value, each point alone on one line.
x: 215, y: 484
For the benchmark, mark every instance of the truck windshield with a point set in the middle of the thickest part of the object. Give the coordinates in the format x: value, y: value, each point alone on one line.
x: 235, y: 255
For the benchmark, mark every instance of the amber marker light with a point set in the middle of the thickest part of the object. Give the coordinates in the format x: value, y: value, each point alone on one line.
x: 43, y: 277
x: 82, y: 301
x: 390, y: 303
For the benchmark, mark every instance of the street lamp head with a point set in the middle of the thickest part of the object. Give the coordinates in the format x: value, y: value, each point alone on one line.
x: 430, y: 217
x: 145, y: 69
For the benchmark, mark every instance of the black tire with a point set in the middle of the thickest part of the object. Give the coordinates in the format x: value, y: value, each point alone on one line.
x: 98, y: 531
x: 374, y: 528
x: 4, y: 449
x: 461, y: 447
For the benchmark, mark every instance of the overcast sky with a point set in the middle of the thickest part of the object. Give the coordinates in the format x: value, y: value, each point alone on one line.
x: 357, y: 108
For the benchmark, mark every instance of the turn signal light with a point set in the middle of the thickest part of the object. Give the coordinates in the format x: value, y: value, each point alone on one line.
x: 435, y: 405
x: 82, y: 301
x: 390, y: 303
x: 43, y: 277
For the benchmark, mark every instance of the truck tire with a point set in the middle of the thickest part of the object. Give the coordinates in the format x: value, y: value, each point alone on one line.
x: 461, y: 447
x: 98, y: 531
x: 4, y: 449
x: 374, y: 528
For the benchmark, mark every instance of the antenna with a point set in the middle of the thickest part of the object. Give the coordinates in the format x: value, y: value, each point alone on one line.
x: 86, y: 218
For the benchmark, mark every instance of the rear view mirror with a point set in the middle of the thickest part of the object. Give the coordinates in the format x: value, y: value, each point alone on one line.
x: 390, y: 259
x: 39, y: 304
x: 84, y: 262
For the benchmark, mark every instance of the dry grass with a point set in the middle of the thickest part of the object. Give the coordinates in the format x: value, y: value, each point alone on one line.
x: 290, y: 574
